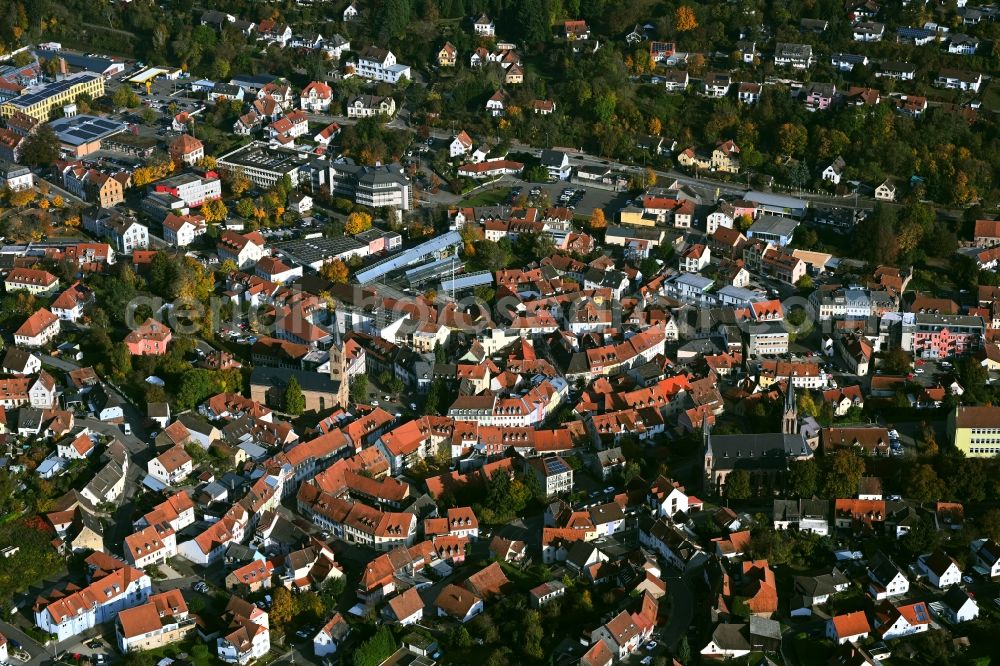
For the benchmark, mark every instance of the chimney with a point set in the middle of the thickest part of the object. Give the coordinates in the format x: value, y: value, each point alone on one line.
x: 62, y: 67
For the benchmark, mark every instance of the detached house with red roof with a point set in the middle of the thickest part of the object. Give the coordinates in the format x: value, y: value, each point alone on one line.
x: 289, y: 127
x: 899, y: 621
x: 848, y: 628
x: 244, y: 249
x: 187, y: 150
x: 316, y: 97
x: 181, y: 230
x: 172, y: 466
x: 151, y: 338
x: 248, y: 636
x: 69, y: 305
x: 38, y: 330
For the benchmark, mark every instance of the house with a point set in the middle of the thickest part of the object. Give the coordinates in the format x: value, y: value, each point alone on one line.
x: 484, y: 26
x: 68, y: 306
x: 186, y: 150
x: 732, y: 641
x: 695, y: 258
x: 32, y: 280
x: 251, y: 577
x: 911, y: 105
x: 124, y: 233
x: 557, y: 164
x: 368, y: 106
x: 406, y: 608
x: 172, y: 466
x: 325, y: 135
x: 247, y: 636
x: 987, y: 556
x: 958, y: 606
x: 716, y: 84
x: 182, y: 230
x: 461, y: 144
x: 955, y: 79
x: 676, y: 80
x: 835, y: 171
x: 796, y: 56
x: 986, y: 233
x: 576, y: 30
x: 885, y: 579
x: 886, y: 191
x: 162, y: 620
x: 316, y: 97
x: 458, y: 603
x: 725, y: 158
x: 447, y: 56
x: 17, y: 361
x: 898, y: 621
x: 38, y: 330
x: 375, y: 64
x: 149, y: 338
x: 514, y: 75
x: 848, y: 628
x: 543, y: 107
x: 497, y: 103
x: 67, y: 613
x: 942, y: 570
x: 79, y: 447
x: 749, y: 93
x: 243, y: 249
x: 962, y: 44
x: 554, y: 475
x: 818, y: 96
x: 332, y: 635
x: 868, y: 31
x: 846, y: 62
x: 289, y: 127
x: 351, y: 12
x: 900, y: 71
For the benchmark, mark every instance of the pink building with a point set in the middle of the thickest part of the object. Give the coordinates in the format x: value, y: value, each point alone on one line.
x: 944, y: 336
x: 151, y: 338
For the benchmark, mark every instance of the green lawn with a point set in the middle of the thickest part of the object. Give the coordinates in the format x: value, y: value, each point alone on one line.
x: 812, y: 650
x: 486, y: 197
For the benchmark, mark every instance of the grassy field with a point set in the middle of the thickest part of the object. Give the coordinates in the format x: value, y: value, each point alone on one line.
x: 486, y: 197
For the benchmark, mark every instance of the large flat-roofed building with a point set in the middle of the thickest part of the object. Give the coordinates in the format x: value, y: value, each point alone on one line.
x: 78, y: 62
x: 83, y: 134
x: 440, y: 245
x: 39, y: 101
x: 773, y: 229
x: 777, y: 204
x: 262, y: 165
x: 314, y: 252
x: 976, y: 430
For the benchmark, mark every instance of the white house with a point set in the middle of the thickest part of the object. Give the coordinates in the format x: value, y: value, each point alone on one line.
x: 987, y: 554
x: 249, y: 636
x: 886, y: 579
x: 848, y: 628
x: 315, y: 97
x: 332, y: 635
x: 958, y: 607
x: 181, y: 230
x: 835, y: 171
x: 375, y: 64
x: 38, y: 330
x: 97, y: 603
x: 896, y: 622
x: 78, y: 447
x: 941, y: 569
x: 460, y: 145
x: 497, y: 103
x: 172, y: 466
x: 484, y: 26
x: 886, y: 191
x: 557, y: 164
x: 406, y: 608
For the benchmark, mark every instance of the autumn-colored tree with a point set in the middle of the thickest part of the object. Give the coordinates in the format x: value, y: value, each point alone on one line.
x: 792, y: 138
x: 44, y: 204
x: 21, y: 198
x: 282, y: 610
x: 357, y: 222
x: 214, y: 210
x: 685, y: 19
x: 655, y: 126
x: 335, y: 271
x: 239, y: 186
x: 207, y: 162
x: 649, y: 179
x: 58, y: 201
x: 597, y: 220
x: 72, y: 221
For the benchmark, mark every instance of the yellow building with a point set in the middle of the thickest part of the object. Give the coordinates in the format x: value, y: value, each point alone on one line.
x: 636, y: 217
x: 976, y: 431
x: 40, y: 101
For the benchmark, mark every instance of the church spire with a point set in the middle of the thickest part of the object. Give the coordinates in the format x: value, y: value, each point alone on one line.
x: 790, y: 415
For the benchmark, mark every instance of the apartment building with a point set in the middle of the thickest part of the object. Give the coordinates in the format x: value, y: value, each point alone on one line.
x: 40, y: 101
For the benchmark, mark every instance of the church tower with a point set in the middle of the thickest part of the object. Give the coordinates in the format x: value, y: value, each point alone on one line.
x: 338, y: 365
x: 790, y: 415
x: 706, y: 439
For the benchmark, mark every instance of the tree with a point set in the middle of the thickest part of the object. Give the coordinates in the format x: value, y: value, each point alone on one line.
x: 597, y: 220
x: 897, y: 362
x: 685, y: 19
x: 282, y: 610
x: 655, y: 127
x: 239, y: 186
x: 359, y: 388
x: 683, y: 651
x: 803, y: 477
x: 125, y: 97
x: 357, y: 222
x: 214, y: 210
x: 295, y: 401
x: 40, y: 148
x: 924, y: 484
x: 335, y: 271
x: 792, y: 139
x: 737, y: 485
x: 844, y: 470
x: 376, y: 649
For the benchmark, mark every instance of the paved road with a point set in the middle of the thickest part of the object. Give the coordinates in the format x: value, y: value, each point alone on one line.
x: 27, y: 642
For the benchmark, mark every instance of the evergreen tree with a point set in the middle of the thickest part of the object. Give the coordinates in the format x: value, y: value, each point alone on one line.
x: 295, y: 402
